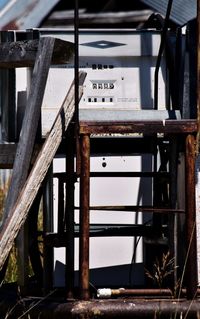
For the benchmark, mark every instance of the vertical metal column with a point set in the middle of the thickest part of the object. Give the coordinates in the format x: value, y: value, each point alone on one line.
x: 173, y: 160
x: 198, y: 74
x: 191, y: 258
x: 76, y: 78
x: 48, y: 227
x: 60, y: 205
x: 69, y: 213
x: 84, y: 217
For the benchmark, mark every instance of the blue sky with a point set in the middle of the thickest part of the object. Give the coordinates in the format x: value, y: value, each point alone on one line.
x: 2, y: 3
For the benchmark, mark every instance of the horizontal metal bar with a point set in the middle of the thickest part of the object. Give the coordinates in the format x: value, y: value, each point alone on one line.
x: 118, y: 308
x: 129, y: 174
x: 146, y: 209
x: 146, y: 127
x: 117, y: 174
x: 105, y: 293
x: 59, y: 240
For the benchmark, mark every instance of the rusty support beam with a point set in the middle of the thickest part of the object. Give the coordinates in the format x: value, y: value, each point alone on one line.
x: 69, y: 213
x: 146, y: 209
x: 198, y: 74
x: 60, y: 206
x: 84, y: 217
x: 146, y: 127
x: 191, y: 253
x: 143, y: 292
x: 119, y: 309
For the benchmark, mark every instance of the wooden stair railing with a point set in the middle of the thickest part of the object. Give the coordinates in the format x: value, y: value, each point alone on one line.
x: 19, y: 212
x: 40, y: 53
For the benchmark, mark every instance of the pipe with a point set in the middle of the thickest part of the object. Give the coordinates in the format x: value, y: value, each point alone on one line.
x: 198, y: 75
x: 120, y: 309
x: 191, y: 252
x: 69, y: 214
x: 106, y: 293
x: 84, y: 217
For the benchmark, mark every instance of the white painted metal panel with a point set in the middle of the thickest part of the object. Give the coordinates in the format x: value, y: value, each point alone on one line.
x: 110, y: 256
x: 120, y: 68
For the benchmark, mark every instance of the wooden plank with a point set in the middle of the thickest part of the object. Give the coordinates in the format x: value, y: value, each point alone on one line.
x: 30, y: 122
x: 23, y: 53
x: 18, y: 215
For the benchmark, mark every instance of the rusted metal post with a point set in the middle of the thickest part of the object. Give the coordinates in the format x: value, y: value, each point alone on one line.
x: 119, y: 309
x: 69, y: 214
x: 48, y: 227
x: 191, y: 253
x: 84, y: 217
x: 60, y: 205
x: 173, y: 218
x: 76, y: 78
x: 198, y: 74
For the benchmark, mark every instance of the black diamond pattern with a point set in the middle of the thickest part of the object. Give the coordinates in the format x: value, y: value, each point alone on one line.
x: 103, y: 44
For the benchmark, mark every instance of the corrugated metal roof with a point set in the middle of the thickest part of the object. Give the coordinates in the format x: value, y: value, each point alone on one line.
x: 24, y: 14
x: 182, y: 10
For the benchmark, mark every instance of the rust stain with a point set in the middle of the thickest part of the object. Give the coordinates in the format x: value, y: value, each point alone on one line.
x: 12, y: 25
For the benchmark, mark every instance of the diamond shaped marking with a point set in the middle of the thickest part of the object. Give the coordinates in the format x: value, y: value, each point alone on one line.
x: 103, y: 44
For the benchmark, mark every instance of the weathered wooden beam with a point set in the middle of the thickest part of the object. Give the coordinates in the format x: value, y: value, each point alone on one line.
x: 147, y: 127
x: 30, y: 121
x: 23, y: 53
x: 17, y: 216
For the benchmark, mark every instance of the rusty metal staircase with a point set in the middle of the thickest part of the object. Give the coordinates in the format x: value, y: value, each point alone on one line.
x: 187, y: 130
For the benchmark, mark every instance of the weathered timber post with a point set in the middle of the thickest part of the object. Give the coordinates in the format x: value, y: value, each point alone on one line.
x: 43, y: 161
